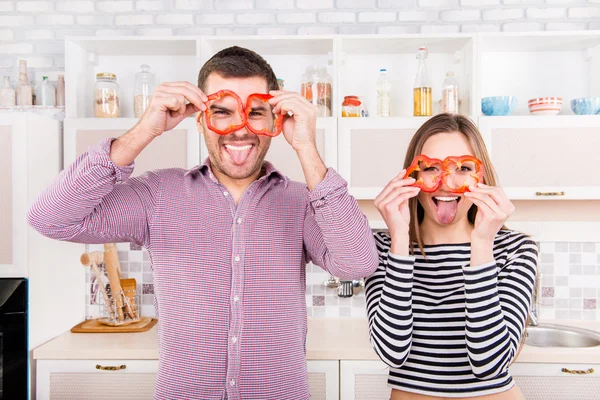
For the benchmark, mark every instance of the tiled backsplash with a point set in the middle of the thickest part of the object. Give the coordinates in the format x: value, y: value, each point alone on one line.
x: 570, y: 286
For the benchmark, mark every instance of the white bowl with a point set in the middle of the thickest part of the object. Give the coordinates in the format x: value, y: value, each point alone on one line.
x: 545, y: 105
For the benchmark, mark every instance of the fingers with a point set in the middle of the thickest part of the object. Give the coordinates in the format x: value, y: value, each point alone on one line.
x: 189, y: 92
x: 404, y: 192
x: 295, y: 105
x: 282, y: 98
x: 397, y: 181
x: 498, y: 195
x: 494, y: 209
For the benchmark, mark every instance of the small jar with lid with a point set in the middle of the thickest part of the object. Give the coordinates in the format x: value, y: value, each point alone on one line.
x: 351, y: 107
x: 144, y: 87
x: 106, y: 101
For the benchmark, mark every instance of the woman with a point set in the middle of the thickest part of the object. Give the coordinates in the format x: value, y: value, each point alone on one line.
x: 448, y: 305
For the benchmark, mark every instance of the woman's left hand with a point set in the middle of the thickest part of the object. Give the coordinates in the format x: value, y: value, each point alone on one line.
x: 494, y: 208
x: 299, y: 129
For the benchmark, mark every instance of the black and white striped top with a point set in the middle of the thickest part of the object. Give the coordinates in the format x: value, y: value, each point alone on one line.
x: 446, y: 328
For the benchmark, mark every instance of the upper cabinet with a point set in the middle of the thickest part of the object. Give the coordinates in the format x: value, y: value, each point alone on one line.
x: 528, y: 151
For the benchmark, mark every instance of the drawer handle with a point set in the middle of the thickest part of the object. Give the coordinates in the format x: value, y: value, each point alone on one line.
x: 111, y: 367
x: 578, y: 371
x: 550, y: 193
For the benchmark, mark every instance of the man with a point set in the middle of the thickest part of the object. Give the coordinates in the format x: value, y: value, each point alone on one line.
x: 228, y: 239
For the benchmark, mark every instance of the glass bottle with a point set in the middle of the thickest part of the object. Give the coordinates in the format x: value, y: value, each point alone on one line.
x: 384, y: 94
x: 106, y: 99
x: 7, y: 93
x: 450, y: 94
x: 144, y: 87
x: 316, y: 88
x: 422, y: 95
x: 45, y: 93
x: 24, y: 92
x: 60, y: 91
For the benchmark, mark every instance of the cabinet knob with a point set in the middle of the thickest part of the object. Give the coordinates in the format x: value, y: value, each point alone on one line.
x: 111, y: 367
x: 578, y: 371
x: 550, y: 193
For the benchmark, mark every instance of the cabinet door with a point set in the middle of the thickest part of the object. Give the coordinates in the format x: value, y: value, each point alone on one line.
x: 364, y: 380
x: 557, y: 381
x: 96, y: 379
x: 545, y: 157
x: 178, y: 148
x: 372, y: 150
x: 324, y: 379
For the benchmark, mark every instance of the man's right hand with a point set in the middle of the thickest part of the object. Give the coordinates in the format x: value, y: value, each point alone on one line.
x: 171, y: 102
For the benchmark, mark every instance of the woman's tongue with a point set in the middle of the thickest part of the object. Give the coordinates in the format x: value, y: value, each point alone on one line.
x: 239, y: 153
x: 446, y: 210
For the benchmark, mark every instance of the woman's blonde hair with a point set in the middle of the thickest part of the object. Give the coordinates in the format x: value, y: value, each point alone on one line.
x: 445, y: 123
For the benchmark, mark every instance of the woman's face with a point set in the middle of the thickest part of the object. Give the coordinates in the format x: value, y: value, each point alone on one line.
x: 443, y: 207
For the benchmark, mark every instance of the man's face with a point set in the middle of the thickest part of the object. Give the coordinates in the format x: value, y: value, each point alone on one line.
x: 240, y: 154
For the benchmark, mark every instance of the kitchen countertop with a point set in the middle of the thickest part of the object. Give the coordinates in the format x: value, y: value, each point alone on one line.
x: 328, y: 339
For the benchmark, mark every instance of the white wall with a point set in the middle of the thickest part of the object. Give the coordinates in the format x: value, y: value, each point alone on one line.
x: 34, y: 30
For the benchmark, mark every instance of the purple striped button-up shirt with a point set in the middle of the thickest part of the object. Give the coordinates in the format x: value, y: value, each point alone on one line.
x: 229, y: 279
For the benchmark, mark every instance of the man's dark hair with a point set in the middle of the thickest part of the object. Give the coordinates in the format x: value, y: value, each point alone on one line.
x: 237, y: 62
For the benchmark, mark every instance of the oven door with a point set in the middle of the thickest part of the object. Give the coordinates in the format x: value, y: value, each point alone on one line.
x: 13, y: 339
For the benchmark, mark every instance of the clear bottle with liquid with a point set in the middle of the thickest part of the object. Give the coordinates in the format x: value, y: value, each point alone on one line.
x: 45, y: 93
x: 7, y: 93
x: 24, y: 90
x: 144, y: 87
x: 422, y: 95
x: 450, y: 94
x: 384, y: 94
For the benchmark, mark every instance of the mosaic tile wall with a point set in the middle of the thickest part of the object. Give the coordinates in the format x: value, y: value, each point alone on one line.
x: 570, y: 285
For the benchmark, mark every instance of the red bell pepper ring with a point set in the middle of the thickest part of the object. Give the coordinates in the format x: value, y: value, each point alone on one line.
x: 477, y: 175
x: 244, y: 113
x: 265, y: 131
x: 445, y: 173
x: 428, y: 162
x: 219, y: 95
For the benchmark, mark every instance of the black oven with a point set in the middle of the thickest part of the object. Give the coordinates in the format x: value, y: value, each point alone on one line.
x: 13, y: 339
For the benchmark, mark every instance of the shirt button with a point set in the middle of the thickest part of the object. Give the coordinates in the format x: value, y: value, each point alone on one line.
x: 237, y: 258
x: 234, y: 339
x: 226, y: 194
x: 239, y: 220
x: 232, y: 382
x: 236, y: 299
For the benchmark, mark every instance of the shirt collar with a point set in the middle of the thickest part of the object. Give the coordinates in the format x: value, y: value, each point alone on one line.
x: 270, y: 172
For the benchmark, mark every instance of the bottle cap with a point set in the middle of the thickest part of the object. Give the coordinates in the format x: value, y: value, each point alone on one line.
x: 383, y: 70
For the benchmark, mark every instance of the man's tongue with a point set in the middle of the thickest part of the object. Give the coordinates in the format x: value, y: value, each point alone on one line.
x: 239, y: 154
x: 446, y: 210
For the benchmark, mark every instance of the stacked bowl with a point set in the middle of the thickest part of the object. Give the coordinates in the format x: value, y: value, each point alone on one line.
x: 545, y: 105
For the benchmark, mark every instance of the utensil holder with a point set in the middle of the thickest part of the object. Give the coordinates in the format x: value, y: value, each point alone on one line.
x: 112, y: 315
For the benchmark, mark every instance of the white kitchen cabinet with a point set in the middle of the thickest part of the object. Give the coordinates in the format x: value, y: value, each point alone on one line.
x: 178, y: 148
x: 96, y: 379
x: 136, y: 379
x: 539, y: 158
x: 557, y: 381
x: 364, y: 380
x: 324, y: 379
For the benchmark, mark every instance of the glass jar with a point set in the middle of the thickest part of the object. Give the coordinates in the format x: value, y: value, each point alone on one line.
x: 351, y: 107
x: 316, y: 88
x: 45, y: 93
x: 106, y: 101
x: 144, y: 87
x: 7, y: 93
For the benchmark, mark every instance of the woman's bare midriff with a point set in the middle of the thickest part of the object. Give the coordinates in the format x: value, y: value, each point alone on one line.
x: 512, y: 394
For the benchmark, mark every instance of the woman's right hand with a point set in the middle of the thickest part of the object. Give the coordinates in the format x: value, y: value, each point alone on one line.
x: 392, y: 204
x: 171, y: 102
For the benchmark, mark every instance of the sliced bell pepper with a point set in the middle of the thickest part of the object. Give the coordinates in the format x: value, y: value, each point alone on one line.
x: 428, y: 162
x: 219, y: 95
x: 278, y: 121
x: 477, y: 175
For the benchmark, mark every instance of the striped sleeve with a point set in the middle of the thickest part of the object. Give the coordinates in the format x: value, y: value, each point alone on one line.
x: 389, y: 304
x: 93, y: 201
x: 497, y: 307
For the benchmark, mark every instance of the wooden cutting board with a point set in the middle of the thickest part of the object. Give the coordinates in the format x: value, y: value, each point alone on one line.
x: 93, y: 326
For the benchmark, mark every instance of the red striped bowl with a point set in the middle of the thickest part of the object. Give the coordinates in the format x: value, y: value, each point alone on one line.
x: 545, y: 105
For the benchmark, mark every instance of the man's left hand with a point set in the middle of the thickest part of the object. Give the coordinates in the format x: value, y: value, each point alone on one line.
x: 300, y: 128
